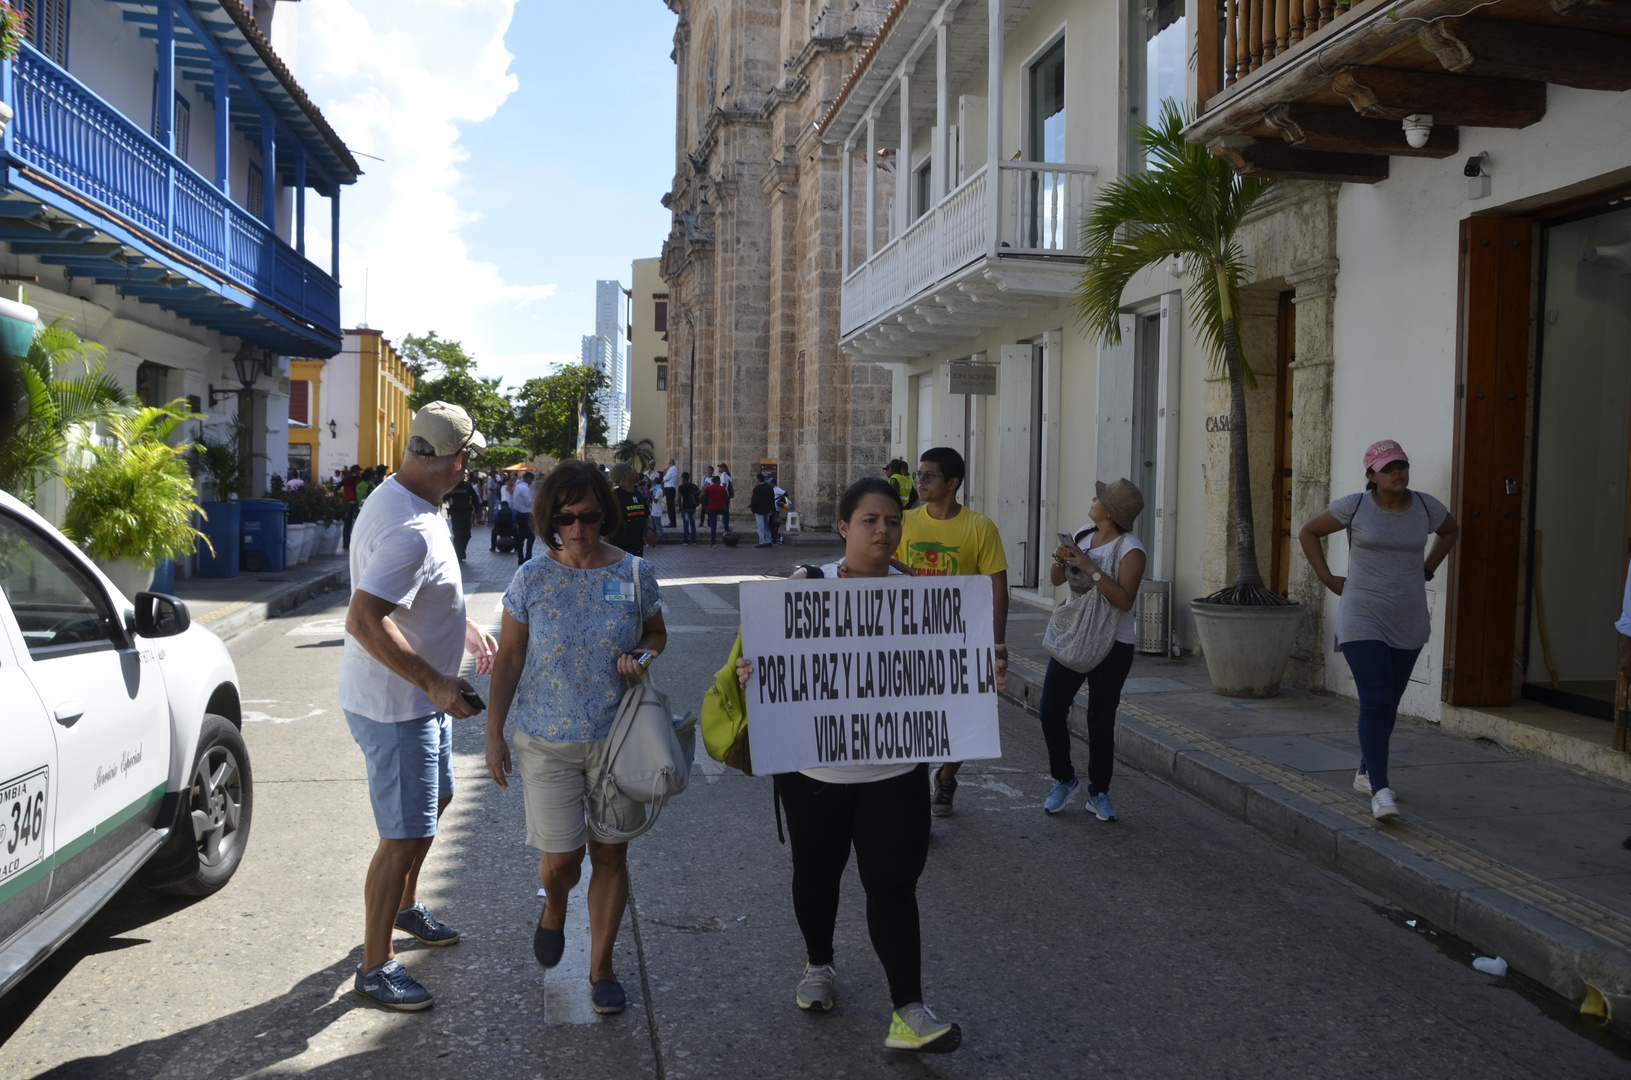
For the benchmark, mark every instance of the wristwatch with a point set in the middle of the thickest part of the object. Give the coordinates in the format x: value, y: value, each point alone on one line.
x: 1097, y: 577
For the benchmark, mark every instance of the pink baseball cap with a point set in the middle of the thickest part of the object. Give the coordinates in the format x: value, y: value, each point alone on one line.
x: 1383, y: 453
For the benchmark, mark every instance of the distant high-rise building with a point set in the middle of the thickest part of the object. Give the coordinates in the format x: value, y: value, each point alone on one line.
x: 602, y: 350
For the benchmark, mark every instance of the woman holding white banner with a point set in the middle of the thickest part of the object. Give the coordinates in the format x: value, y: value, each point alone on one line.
x: 1103, y: 557
x: 879, y: 810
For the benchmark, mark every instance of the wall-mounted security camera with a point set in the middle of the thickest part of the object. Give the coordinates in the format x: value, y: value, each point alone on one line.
x: 1476, y: 171
x: 1417, y: 127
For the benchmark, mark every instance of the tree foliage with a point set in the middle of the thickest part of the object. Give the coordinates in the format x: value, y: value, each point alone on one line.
x: 546, y: 415
x: 53, y: 404
x: 443, y: 371
x: 629, y: 450
x: 1189, y: 206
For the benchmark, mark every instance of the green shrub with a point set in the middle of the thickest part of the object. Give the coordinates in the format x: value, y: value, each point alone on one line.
x: 132, y: 497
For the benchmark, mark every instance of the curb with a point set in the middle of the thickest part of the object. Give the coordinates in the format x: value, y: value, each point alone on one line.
x: 230, y: 620
x: 1590, y: 970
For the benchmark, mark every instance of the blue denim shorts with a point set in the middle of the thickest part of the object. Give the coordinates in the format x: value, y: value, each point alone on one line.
x: 410, y: 769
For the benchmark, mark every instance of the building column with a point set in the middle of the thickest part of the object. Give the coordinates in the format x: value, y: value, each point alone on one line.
x: 269, y: 170
x: 300, y: 200
x: 871, y: 184
x: 165, y: 107
x: 334, y: 234
x: 903, y: 159
x: 1311, y: 371
x: 846, y: 186
x: 993, y: 121
x: 940, y: 170
x: 223, y: 127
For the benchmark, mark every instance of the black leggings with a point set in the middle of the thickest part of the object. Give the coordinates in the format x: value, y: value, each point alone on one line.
x: 1104, y: 685
x: 887, y: 821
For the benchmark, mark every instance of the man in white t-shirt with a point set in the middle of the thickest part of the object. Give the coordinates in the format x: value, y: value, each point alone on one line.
x: 671, y: 487
x: 406, y: 635
x: 521, y: 503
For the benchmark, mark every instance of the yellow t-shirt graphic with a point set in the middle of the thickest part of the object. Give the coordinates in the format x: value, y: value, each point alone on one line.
x: 965, y: 544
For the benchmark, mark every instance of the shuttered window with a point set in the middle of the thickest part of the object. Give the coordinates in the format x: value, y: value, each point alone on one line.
x: 48, y: 28
x: 662, y: 317
x: 300, y: 402
x: 257, y: 191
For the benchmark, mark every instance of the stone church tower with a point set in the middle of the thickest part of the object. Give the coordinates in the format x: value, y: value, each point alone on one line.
x: 752, y: 260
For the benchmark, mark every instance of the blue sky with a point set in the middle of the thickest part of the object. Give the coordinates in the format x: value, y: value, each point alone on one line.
x: 526, y: 146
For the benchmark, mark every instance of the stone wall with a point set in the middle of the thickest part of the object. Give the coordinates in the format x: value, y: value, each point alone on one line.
x: 752, y: 259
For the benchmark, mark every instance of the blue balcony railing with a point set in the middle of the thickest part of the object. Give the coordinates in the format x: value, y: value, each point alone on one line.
x: 65, y: 131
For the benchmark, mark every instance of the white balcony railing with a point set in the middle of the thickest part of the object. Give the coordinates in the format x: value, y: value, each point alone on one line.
x: 1038, y: 209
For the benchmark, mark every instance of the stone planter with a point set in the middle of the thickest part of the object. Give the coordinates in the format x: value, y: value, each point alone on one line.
x: 1246, y: 648
x: 127, y: 577
x: 333, y: 533
x: 296, y: 544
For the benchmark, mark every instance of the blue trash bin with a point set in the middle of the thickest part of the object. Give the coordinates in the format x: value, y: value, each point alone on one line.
x: 264, y: 531
x: 221, y: 526
x: 164, y: 577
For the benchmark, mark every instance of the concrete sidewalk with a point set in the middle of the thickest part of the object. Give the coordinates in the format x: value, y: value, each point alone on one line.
x: 229, y: 606
x: 1516, y: 854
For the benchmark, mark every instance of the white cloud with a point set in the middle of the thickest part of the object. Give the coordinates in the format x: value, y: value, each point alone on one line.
x: 397, y: 79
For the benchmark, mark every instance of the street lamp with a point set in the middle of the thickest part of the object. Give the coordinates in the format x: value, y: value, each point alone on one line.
x: 246, y: 365
x: 333, y: 430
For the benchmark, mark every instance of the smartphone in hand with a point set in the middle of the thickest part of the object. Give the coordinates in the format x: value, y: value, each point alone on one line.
x: 473, y: 699
x: 1067, y: 539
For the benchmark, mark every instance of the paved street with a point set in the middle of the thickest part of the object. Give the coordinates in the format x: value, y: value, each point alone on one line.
x: 1173, y: 942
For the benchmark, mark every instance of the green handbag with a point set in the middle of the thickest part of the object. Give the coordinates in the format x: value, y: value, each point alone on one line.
x: 725, y: 716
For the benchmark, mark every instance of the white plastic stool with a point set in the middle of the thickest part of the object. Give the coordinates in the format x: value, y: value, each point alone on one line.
x: 792, y: 522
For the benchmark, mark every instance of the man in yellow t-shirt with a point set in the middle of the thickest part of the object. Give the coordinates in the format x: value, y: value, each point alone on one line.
x: 942, y: 539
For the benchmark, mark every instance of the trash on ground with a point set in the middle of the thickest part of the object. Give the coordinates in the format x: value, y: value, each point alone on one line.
x: 1490, y: 965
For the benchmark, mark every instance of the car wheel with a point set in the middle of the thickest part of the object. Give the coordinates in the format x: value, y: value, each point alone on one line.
x: 219, y: 803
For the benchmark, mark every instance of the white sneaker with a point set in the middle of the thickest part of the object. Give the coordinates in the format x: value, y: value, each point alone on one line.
x: 1362, y: 783
x: 1381, y: 805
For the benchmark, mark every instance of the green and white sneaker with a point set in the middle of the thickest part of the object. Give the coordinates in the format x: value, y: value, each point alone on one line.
x: 916, y: 1027
x: 816, y: 990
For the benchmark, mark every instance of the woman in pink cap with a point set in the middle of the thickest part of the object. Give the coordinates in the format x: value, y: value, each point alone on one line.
x: 1382, y: 622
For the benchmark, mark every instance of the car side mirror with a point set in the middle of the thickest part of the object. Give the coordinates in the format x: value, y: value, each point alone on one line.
x: 160, y: 615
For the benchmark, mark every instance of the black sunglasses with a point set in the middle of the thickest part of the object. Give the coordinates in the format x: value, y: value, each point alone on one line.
x: 566, y: 521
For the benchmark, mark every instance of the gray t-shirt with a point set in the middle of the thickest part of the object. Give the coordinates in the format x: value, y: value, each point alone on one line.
x: 1385, y: 596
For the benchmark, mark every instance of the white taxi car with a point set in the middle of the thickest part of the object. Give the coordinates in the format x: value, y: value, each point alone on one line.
x: 121, y: 756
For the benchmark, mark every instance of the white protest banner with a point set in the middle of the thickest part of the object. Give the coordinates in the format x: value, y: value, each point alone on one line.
x: 869, y: 671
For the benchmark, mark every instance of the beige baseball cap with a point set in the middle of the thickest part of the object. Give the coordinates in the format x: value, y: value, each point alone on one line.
x: 447, y: 428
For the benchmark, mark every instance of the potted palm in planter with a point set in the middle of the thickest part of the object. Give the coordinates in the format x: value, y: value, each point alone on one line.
x: 130, y: 497
x: 224, y: 468
x: 1189, y: 205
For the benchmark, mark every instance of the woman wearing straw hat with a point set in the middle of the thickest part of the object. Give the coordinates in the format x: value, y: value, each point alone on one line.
x: 1382, y: 622
x: 1090, y: 562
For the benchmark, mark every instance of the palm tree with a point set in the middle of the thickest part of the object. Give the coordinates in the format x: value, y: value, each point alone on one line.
x: 628, y: 450
x: 53, y: 406
x: 1189, y: 206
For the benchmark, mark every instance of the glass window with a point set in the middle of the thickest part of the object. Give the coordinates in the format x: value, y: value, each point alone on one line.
x: 1048, y: 106
x: 59, y: 608
x: 662, y: 376
x: 922, y: 189
x: 1159, y: 63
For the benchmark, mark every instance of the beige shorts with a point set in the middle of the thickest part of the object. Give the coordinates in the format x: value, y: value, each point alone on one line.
x: 555, y: 782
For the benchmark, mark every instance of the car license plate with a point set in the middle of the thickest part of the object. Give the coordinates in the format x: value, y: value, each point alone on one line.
x: 23, y: 807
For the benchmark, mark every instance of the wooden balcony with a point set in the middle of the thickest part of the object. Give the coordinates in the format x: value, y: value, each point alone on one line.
x: 1322, y: 90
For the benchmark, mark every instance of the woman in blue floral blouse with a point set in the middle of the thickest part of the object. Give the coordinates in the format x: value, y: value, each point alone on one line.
x: 576, y: 627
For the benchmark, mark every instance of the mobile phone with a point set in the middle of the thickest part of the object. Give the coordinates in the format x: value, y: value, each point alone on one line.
x: 473, y: 699
x: 1066, y: 538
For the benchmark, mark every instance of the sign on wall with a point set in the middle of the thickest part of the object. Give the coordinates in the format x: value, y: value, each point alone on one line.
x: 965, y: 377
x: 869, y: 671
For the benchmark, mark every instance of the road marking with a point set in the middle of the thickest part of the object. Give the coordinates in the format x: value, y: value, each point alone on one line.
x: 253, y: 717
x: 566, y: 986
x: 330, y: 627
x: 710, y: 601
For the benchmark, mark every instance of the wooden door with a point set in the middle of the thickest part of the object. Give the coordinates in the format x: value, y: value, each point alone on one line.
x: 1493, y: 318
x: 1284, y: 354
